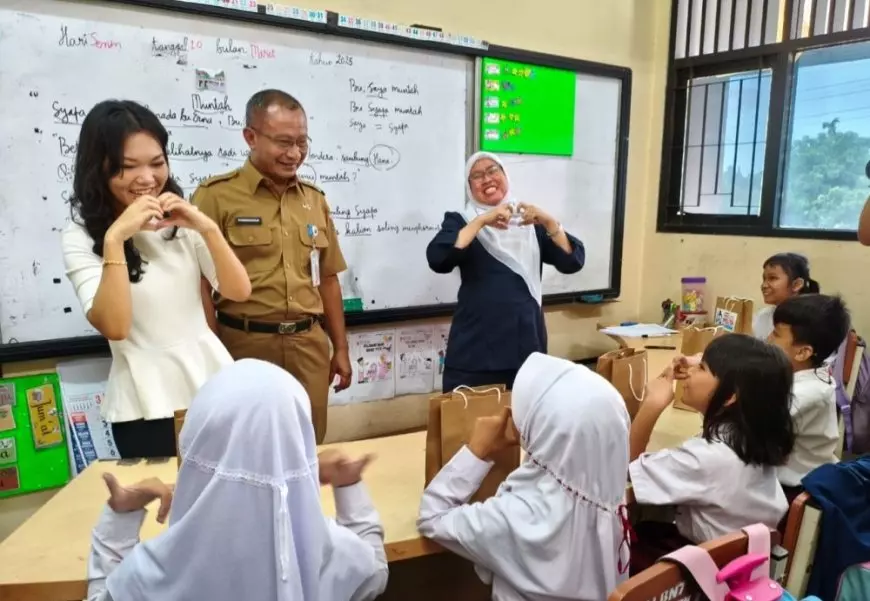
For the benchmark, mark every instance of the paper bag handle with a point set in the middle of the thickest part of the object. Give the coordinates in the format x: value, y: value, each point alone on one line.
x: 631, y: 381
x: 465, y: 398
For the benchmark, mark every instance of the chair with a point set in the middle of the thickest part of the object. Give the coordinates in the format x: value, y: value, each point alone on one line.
x: 666, y: 580
x: 800, y: 540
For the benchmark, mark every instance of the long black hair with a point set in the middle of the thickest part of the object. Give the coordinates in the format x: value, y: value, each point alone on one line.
x: 795, y: 266
x: 99, y: 157
x: 758, y: 425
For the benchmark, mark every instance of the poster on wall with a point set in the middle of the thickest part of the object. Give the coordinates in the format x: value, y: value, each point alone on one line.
x: 83, y: 383
x: 416, y: 361
x: 372, y: 360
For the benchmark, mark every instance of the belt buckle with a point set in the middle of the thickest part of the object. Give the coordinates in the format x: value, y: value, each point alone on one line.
x: 287, y: 327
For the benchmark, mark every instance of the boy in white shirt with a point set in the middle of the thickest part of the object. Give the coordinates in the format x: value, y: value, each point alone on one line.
x: 809, y: 328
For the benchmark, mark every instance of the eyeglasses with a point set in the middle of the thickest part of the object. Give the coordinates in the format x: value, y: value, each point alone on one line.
x: 285, y: 144
x: 488, y: 172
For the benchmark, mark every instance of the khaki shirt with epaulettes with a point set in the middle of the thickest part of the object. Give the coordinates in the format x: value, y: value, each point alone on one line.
x: 270, y: 231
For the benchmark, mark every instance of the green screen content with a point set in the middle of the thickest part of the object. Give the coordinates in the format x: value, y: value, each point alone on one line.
x: 526, y: 109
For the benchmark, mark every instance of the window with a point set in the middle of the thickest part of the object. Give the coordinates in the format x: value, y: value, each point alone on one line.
x: 724, y: 144
x: 829, y: 139
x: 767, y: 118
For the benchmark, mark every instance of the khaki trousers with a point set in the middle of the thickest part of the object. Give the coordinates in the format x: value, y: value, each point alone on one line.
x: 305, y: 355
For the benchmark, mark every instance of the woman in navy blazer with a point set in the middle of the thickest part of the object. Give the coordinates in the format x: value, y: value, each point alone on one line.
x: 499, y: 246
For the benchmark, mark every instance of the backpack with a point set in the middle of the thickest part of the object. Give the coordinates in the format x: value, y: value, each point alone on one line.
x: 855, y: 410
x: 855, y: 583
x: 745, y: 578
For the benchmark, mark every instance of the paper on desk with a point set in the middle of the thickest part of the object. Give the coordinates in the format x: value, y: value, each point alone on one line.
x: 640, y: 330
x: 83, y: 385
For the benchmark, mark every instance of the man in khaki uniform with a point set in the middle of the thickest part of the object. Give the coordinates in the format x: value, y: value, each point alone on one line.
x: 281, y: 229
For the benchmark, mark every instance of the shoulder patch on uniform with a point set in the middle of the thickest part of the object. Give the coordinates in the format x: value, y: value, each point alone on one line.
x: 312, y: 186
x: 223, y: 177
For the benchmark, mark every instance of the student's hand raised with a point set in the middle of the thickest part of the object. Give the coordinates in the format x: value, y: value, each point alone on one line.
x: 660, y: 392
x: 682, y: 364
x: 337, y: 469
x: 493, y: 434
x: 124, y: 499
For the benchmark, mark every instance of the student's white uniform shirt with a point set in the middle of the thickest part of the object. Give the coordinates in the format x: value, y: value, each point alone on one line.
x: 246, y: 519
x: 762, y: 323
x: 553, y: 532
x: 714, y: 491
x: 170, y: 350
x: 814, y: 412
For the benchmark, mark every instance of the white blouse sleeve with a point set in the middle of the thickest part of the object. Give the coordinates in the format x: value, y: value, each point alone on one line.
x: 112, y: 539
x: 203, y: 257
x: 472, y: 531
x: 674, y: 476
x: 355, y: 513
x: 84, y: 267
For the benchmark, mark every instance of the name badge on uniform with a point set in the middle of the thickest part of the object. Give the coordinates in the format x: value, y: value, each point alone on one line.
x: 249, y: 221
x: 315, y: 256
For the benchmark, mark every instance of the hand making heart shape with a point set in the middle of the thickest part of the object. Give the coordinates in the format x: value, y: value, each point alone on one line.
x: 149, y: 213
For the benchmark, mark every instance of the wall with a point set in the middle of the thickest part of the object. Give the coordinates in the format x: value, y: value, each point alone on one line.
x: 630, y: 33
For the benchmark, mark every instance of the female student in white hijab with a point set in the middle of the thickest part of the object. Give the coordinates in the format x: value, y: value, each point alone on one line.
x: 246, y: 520
x: 499, y: 245
x: 557, y: 527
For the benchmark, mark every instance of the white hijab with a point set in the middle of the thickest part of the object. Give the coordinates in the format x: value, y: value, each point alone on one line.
x: 567, y: 535
x: 516, y: 247
x: 246, y: 520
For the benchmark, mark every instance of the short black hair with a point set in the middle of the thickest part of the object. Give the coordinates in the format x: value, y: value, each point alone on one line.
x: 819, y: 320
x: 263, y: 99
x: 795, y: 266
x: 758, y: 426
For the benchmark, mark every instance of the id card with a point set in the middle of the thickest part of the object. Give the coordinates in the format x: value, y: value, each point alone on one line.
x: 315, y: 267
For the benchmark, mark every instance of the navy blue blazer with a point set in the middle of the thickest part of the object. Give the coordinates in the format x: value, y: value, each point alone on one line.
x: 497, y: 323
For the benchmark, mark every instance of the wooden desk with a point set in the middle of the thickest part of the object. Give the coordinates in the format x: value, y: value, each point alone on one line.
x: 46, y: 558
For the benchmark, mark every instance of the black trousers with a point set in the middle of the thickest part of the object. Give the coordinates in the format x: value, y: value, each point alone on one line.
x: 452, y: 377
x: 145, y: 438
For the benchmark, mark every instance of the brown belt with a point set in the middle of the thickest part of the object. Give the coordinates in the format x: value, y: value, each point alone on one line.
x: 262, y: 327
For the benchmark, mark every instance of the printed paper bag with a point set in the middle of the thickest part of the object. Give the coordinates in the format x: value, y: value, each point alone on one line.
x: 458, y: 416
x: 626, y: 369
x: 734, y: 314
x: 433, y: 431
x: 695, y: 340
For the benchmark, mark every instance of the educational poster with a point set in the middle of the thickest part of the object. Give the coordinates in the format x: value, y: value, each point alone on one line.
x: 416, y: 361
x: 84, y: 387
x: 33, y: 454
x: 372, y: 359
x: 442, y: 331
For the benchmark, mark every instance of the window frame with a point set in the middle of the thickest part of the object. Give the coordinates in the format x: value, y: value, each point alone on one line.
x: 779, y: 57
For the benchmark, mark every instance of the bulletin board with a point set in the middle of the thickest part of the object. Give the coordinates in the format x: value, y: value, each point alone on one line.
x: 33, y: 451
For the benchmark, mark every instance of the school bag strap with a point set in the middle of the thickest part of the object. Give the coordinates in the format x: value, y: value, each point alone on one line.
x: 702, y: 568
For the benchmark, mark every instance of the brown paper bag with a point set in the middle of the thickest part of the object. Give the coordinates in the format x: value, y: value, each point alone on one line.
x: 733, y: 314
x: 179, y: 422
x: 695, y: 340
x: 433, y: 428
x: 626, y: 369
x: 458, y: 416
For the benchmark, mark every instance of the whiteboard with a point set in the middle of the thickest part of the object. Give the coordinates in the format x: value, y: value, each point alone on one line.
x: 381, y: 149
x: 579, y: 190
x: 389, y: 178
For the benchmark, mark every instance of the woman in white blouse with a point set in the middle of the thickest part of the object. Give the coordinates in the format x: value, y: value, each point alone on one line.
x: 136, y: 253
x: 246, y: 520
x: 558, y: 527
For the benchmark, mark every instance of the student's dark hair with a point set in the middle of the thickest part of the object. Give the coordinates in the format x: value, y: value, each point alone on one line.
x: 99, y: 157
x: 795, y: 266
x: 819, y: 320
x: 263, y: 99
x: 758, y: 425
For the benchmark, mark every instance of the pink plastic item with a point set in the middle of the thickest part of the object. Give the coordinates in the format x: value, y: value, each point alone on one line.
x: 738, y: 575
